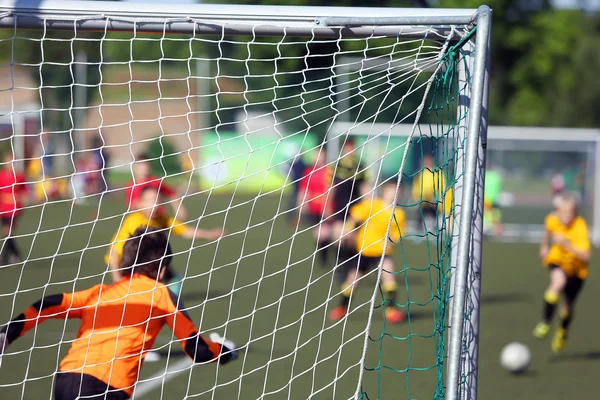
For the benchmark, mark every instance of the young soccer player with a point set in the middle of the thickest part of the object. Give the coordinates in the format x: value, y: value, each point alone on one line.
x: 369, y: 219
x: 150, y: 212
x: 347, y: 182
x: 567, y: 260
x: 119, y: 323
x: 428, y: 186
x: 13, y: 195
x: 143, y: 179
x: 312, y: 202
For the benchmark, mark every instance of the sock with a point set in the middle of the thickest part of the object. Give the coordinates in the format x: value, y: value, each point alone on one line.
x: 389, y: 291
x: 322, y: 249
x: 346, y: 293
x: 11, y: 247
x: 550, y: 300
x: 565, y: 320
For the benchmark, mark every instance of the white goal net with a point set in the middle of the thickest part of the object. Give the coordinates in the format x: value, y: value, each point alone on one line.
x: 323, y: 254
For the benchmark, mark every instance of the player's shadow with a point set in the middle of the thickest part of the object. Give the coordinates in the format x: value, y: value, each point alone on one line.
x: 504, y: 298
x: 593, y: 355
x: 528, y: 373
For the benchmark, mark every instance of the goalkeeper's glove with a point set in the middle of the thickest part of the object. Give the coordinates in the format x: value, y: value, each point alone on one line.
x: 228, y: 348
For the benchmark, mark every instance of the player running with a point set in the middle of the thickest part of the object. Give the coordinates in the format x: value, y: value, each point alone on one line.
x: 349, y: 176
x: 152, y: 213
x: 428, y: 187
x: 567, y: 260
x: 312, y: 202
x: 119, y: 324
x: 13, y: 195
x: 367, y: 229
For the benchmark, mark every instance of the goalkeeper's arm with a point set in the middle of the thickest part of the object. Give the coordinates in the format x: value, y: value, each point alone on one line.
x: 60, y: 306
x: 196, y: 346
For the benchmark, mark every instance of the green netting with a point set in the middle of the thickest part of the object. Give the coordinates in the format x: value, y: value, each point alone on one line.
x: 426, y: 251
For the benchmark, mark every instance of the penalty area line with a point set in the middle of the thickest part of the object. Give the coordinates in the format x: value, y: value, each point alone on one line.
x: 148, y: 385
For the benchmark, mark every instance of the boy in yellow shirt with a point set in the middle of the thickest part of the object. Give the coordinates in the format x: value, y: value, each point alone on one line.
x: 367, y: 231
x: 149, y: 212
x: 567, y: 260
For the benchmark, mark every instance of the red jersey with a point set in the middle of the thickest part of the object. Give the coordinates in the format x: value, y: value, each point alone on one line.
x: 12, y: 187
x: 134, y: 190
x: 315, y: 183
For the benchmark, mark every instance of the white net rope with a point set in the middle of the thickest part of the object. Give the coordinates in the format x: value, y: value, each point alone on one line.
x: 221, y: 120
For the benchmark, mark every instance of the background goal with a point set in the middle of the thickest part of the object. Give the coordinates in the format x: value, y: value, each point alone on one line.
x: 226, y: 102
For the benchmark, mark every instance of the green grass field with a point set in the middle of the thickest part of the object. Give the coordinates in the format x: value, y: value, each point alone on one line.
x: 282, y: 312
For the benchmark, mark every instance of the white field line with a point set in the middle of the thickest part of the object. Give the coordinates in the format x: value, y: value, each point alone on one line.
x: 148, y: 385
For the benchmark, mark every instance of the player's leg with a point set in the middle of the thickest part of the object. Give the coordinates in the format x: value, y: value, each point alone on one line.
x: 11, y: 253
x: 572, y: 289
x: 172, y: 280
x: 72, y: 386
x: 558, y: 281
x: 390, y: 288
x: 347, y: 287
x: 321, y: 233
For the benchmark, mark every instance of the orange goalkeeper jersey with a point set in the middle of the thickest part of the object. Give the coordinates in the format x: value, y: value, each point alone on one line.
x: 119, y: 323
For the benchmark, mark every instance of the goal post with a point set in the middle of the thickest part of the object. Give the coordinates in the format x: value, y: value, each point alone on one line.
x: 238, y: 108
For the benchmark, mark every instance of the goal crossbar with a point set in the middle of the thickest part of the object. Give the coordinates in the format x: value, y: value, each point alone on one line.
x: 230, y: 19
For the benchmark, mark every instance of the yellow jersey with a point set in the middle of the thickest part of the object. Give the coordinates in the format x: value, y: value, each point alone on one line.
x: 136, y: 220
x: 577, y: 234
x: 374, y: 218
x: 429, y: 186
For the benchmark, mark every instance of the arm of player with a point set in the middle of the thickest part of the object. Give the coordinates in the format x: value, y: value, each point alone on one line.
x: 60, y: 306
x: 188, y: 232
x: 196, y: 346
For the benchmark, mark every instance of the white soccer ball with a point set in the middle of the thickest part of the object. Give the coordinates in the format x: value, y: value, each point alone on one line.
x: 515, y: 357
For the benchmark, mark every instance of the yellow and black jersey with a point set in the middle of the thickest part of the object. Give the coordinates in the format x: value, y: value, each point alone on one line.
x: 577, y: 234
x: 373, y: 217
x: 136, y: 220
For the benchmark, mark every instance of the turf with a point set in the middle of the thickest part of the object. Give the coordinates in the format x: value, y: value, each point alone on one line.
x: 282, y: 310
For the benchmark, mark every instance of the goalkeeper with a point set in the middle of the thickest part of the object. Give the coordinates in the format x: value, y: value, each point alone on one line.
x: 119, y: 323
x: 366, y: 231
x: 152, y: 213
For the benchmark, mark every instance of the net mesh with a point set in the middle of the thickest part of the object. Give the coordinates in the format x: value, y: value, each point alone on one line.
x: 235, y: 125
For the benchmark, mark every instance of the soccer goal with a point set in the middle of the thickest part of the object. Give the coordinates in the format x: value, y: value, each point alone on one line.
x: 340, y: 150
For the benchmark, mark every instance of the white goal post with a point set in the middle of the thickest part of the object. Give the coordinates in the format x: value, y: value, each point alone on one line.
x: 118, y: 79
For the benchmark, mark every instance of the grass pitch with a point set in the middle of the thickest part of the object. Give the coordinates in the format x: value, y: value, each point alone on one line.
x: 277, y: 302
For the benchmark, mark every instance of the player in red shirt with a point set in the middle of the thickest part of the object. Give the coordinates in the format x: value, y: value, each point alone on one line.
x: 12, y: 196
x: 313, y: 202
x: 143, y: 179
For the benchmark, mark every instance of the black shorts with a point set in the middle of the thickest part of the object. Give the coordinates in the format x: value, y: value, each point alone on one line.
x: 573, y: 286
x: 364, y: 264
x: 72, y: 386
x: 313, y: 219
x: 427, y: 210
x: 9, y: 220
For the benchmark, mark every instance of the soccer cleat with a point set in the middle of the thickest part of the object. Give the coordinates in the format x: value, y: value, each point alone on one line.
x: 541, y: 330
x: 394, y: 316
x: 559, y: 340
x: 337, y: 313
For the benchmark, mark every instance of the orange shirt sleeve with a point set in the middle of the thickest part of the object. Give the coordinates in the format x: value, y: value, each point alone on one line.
x: 65, y: 305
x: 195, y: 345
